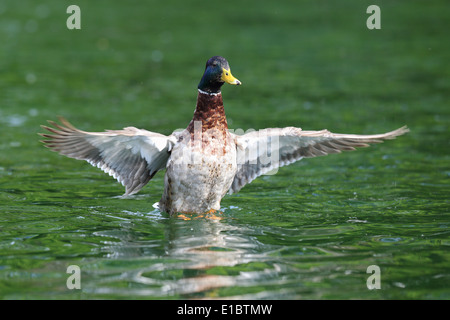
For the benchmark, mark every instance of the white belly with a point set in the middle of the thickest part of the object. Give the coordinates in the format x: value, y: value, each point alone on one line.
x: 196, y: 180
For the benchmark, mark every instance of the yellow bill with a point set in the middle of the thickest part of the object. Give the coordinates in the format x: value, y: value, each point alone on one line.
x: 228, y: 77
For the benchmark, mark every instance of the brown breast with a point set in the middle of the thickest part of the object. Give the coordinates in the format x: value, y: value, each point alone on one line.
x: 209, y: 123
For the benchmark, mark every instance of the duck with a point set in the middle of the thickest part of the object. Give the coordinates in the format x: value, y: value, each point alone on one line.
x: 206, y: 161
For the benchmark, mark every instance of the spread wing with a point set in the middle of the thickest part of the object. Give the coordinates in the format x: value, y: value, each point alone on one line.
x: 262, y: 151
x: 132, y: 156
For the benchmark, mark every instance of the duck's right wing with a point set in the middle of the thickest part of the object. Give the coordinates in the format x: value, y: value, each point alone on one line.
x: 132, y: 156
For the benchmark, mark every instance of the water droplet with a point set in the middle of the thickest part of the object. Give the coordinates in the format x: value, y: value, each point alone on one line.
x: 30, y: 78
x: 42, y: 11
x: 15, y: 120
x: 157, y: 56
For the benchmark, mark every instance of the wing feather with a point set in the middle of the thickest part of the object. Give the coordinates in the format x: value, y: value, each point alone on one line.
x: 260, y: 152
x: 132, y: 156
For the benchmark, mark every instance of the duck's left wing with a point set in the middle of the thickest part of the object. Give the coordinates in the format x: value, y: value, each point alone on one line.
x: 132, y: 156
x: 260, y: 152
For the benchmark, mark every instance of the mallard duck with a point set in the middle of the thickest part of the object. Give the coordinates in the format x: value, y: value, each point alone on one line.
x: 204, y: 161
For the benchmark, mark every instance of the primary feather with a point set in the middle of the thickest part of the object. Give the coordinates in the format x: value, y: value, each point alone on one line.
x: 132, y: 156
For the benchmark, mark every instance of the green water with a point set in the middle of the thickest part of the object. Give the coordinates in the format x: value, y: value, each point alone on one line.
x: 309, y: 232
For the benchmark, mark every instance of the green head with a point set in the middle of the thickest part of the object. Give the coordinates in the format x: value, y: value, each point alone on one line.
x: 217, y: 72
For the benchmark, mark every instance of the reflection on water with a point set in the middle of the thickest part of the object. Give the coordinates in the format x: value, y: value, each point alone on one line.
x: 206, y: 245
x: 190, y: 259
